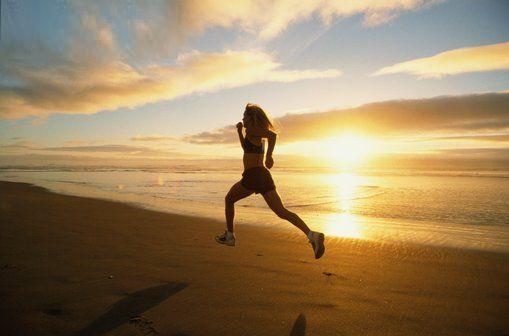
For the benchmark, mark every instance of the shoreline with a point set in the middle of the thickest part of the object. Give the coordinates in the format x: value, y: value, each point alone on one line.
x: 372, y: 229
x: 78, y: 265
x: 366, y: 228
x: 282, y: 227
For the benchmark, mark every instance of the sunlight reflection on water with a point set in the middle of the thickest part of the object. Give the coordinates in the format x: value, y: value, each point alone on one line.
x: 344, y: 223
x: 463, y: 210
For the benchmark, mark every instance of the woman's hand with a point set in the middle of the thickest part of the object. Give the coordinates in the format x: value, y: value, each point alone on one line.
x: 269, y: 162
x: 239, y: 126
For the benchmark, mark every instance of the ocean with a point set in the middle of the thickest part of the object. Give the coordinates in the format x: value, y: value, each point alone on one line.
x: 464, y: 209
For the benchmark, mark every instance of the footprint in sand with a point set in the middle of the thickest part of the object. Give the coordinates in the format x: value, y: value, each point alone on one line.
x: 53, y: 311
x: 144, y: 325
x: 10, y: 267
x: 329, y: 274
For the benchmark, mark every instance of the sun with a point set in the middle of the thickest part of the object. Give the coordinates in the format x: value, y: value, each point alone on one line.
x: 347, y: 150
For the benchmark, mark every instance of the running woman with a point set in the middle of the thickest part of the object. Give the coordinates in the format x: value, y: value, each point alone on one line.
x: 257, y: 179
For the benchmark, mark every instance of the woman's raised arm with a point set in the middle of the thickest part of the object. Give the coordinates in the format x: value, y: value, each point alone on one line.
x: 239, y: 132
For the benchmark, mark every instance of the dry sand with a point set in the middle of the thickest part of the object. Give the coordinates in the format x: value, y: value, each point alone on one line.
x: 80, y: 266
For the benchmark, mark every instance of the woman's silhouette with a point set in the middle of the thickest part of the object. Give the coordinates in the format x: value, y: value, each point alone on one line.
x: 256, y: 178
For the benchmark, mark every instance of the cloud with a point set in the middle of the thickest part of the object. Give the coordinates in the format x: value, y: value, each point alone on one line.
x: 474, y: 160
x: 469, y: 113
x: 105, y: 59
x: 99, y: 30
x: 472, y: 59
x: 223, y: 135
x: 155, y: 138
x: 475, y: 137
x: 74, y: 87
x: 267, y: 18
x: 477, y: 152
x: 20, y: 144
x: 121, y: 149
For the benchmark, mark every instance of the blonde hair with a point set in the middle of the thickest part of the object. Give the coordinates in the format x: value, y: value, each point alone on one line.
x: 260, y: 117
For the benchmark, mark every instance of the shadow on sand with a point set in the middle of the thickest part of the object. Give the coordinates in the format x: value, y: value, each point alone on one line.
x: 299, y: 327
x: 134, y: 304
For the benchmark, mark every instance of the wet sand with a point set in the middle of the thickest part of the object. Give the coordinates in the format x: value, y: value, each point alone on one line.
x: 80, y: 266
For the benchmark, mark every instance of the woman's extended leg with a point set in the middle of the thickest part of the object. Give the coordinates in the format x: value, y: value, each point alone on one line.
x: 274, y: 202
x: 236, y: 193
x: 315, y: 238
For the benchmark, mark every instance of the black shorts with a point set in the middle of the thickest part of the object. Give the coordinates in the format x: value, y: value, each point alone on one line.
x: 258, y: 179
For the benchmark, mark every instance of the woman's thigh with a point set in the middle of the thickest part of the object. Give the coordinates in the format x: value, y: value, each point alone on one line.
x: 237, y: 192
x: 274, y: 202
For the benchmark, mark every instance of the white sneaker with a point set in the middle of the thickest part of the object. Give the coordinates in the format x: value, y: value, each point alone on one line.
x: 316, y: 240
x: 226, y: 238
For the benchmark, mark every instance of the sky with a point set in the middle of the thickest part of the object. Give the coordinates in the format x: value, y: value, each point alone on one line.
x: 345, y: 81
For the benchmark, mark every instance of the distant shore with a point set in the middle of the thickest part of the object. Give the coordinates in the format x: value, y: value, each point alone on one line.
x: 81, y: 266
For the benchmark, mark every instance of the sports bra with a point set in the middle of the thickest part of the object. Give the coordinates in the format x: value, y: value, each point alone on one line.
x: 249, y: 147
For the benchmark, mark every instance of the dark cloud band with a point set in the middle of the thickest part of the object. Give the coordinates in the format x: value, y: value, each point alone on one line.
x: 468, y: 113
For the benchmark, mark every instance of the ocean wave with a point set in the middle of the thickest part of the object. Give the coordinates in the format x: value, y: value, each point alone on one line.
x: 67, y: 181
x: 334, y: 201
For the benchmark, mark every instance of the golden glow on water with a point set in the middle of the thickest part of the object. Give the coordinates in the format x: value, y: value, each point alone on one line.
x: 344, y: 223
x: 345, y: 186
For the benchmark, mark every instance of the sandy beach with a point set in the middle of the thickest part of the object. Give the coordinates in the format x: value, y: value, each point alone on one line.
x: 81, y: 266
